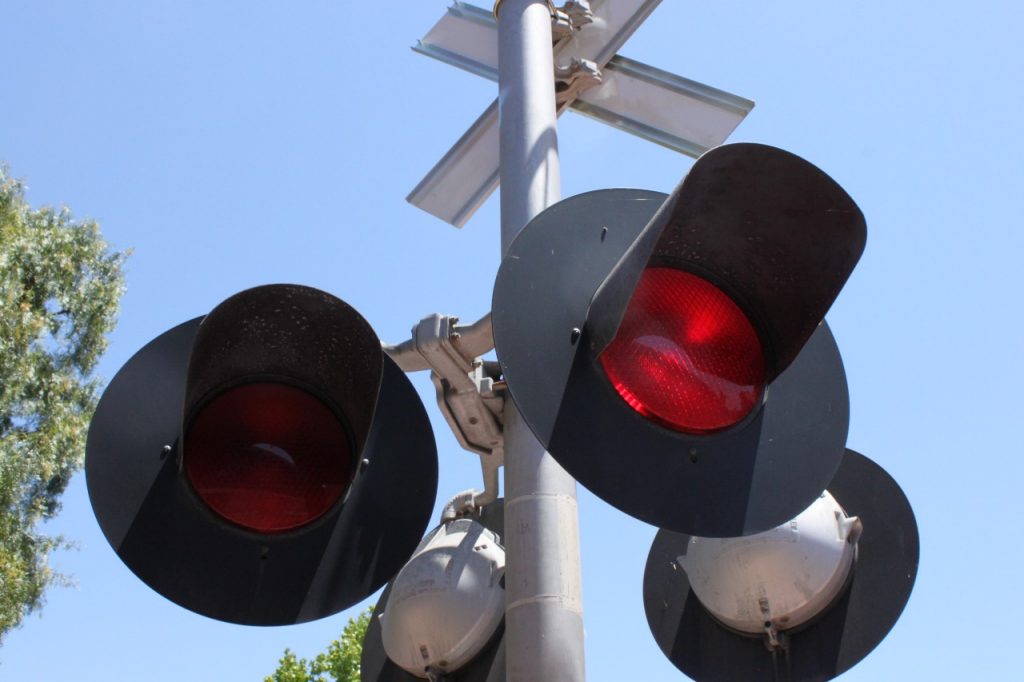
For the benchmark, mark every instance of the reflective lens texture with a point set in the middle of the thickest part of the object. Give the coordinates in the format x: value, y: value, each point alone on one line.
x: 685, y: 355
x: 268, y: 457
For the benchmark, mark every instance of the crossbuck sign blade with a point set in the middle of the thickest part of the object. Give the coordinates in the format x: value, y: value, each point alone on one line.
x: 670, y: 110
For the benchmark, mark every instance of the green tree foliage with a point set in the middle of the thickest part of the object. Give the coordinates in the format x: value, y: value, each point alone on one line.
x: 340, y: 663
x: 59, y: 291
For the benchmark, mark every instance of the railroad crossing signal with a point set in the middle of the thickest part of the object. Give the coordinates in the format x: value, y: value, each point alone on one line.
x: 244, y: 464
x: 671, y: 353
x: 268, y: 464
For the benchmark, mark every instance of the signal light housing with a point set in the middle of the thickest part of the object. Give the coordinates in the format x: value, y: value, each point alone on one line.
x: 241, y: 464
x: 767, y: 233
x: 836, y: 638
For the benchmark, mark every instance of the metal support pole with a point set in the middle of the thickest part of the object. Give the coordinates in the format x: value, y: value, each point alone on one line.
x: 544, y: 612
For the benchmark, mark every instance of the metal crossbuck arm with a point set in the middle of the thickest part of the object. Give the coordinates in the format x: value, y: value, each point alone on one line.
x: 670, y: 110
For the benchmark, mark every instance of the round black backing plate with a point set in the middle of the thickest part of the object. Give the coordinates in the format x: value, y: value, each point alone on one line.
x: 178, y: 547
x: 545, y: 285
x: 487, y: 666
x: 883, y: 577
x: 744, y: 480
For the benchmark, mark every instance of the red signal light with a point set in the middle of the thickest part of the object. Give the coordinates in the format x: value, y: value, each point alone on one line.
x: 685, y: 355
x: 268, y: 457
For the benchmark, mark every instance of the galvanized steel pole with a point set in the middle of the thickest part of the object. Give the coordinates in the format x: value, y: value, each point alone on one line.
x: 543, y: 612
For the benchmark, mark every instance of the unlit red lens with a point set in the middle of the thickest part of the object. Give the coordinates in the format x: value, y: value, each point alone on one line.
x: 268, y: 457
x: 685, y: 355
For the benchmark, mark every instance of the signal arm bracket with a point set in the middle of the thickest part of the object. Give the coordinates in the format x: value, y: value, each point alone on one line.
x: 469, y: 395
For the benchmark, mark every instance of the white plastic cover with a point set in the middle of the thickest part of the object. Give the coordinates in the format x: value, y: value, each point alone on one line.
x: 782, y: 577
x: 447, y: 601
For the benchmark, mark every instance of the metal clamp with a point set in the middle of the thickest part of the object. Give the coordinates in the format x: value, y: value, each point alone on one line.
x: 570, y: 80
x: 572, y: 16
x: 579, y: 12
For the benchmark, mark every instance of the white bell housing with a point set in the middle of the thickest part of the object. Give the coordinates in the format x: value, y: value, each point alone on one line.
x: 778, y: 579
x: 447, y: 601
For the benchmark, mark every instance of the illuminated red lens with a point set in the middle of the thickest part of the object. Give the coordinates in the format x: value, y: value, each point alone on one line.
x: 268, y: 457
x: 685, y: 355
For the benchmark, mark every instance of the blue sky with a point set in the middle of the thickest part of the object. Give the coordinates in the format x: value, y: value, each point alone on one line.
x: 237, y: 143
